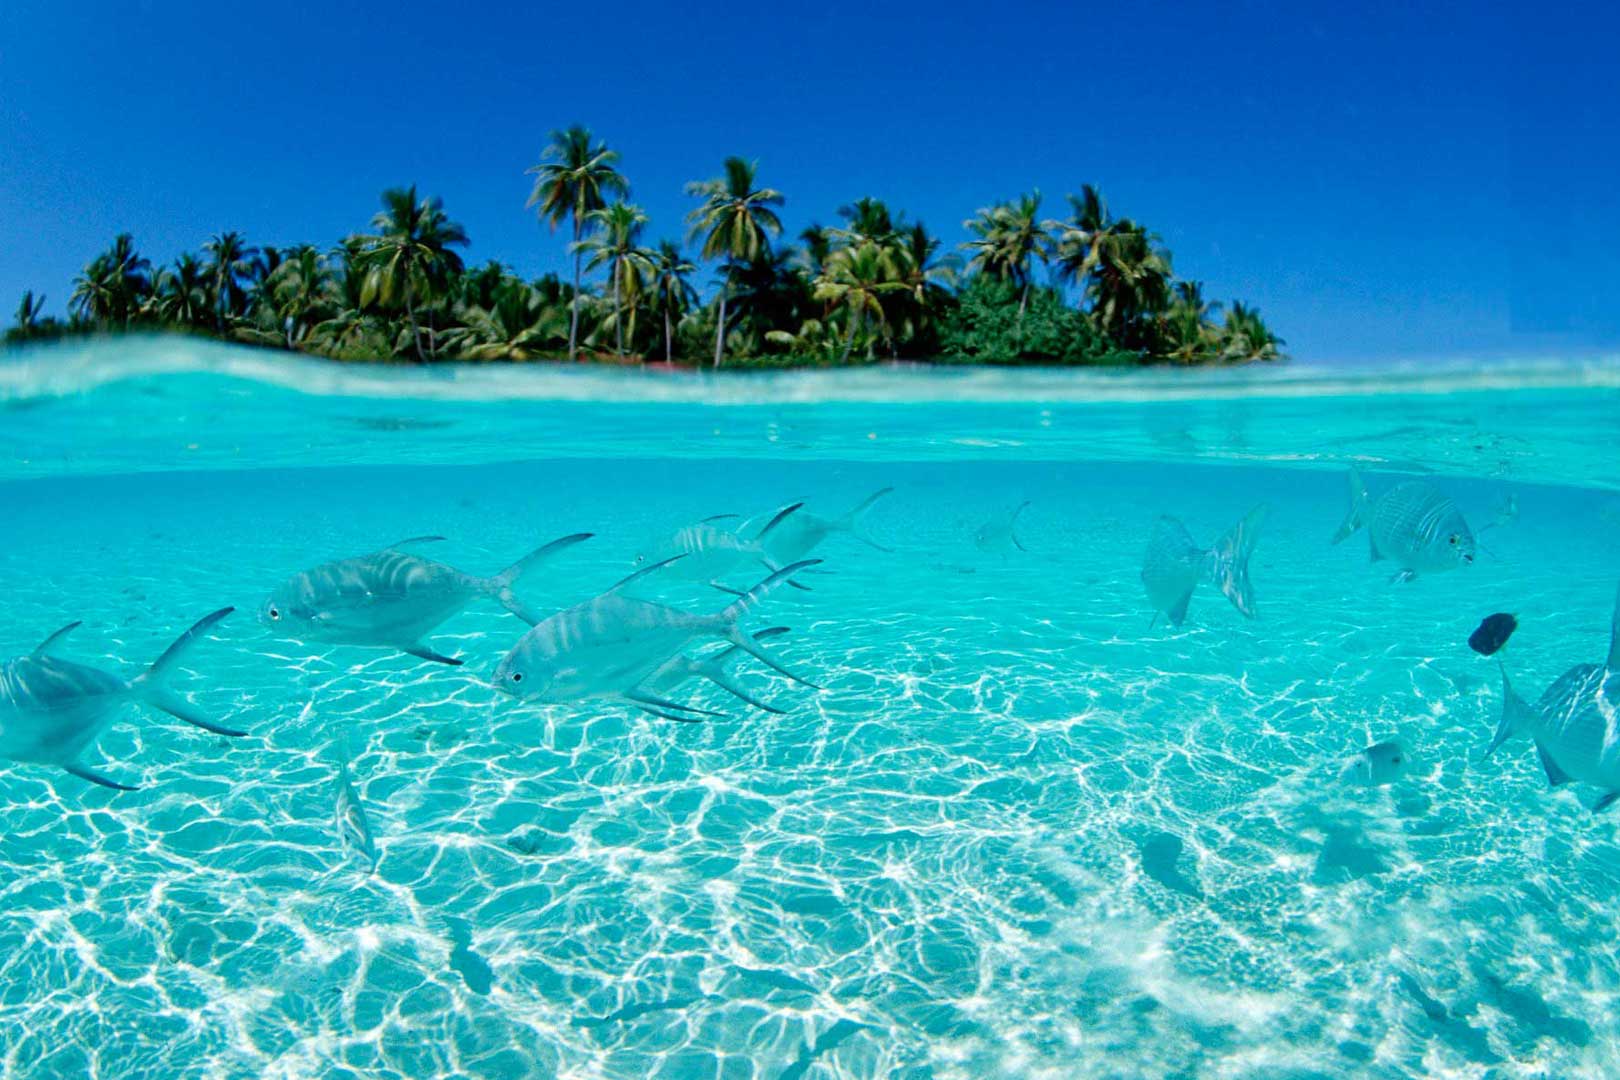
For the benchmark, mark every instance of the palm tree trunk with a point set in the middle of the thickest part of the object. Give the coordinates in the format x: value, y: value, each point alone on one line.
x: 410, y: 315
x: 669, y: 340
x: 720, y: 327
x: 618, y: 310
x: 1023, y: 302
x: 855, y: 320
x: 573, y: 314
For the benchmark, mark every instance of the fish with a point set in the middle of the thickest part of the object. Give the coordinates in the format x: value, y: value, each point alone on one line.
x: 1379, y: 765
x: 1492, y: 633
x: 1412, y: 524
x: 1507, y: 512
x: 798, y: 537
x: 392, y: 599
x: 1001, y: 535
x: 52, y: 709
x: 611, y: 645
x: 1575, y: 724
x: 681, y: 668
x: 354, y: 830
x: 712, y: 551
x: 474, y: 970
x: 1175, y: 564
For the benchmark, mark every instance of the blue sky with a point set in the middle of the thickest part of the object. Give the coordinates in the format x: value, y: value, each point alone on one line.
x: 1380, y: 180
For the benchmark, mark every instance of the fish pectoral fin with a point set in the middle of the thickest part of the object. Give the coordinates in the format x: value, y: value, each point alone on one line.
x: 56, y: 638
x: 428, y: 654
x: 1605, y: 802
x: 645, y: 700
x: 401, y: 545
x: 84, y: 772
x: 1178, y: 613
x: 178, y: 707
x: 1555, y: 775
x: 726, y: 589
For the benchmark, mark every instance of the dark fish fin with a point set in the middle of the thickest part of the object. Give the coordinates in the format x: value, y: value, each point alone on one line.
x: 1516, y: 714
x: 643, y: 697
x: 1178, y: 614
x: 669, y: 716
x: 1605, y: 802
x: 777, y: 520
x: 401, y: 545
x: 161, y: 666
x: 643, y: 572
x: 1373, y: 554
x: 712, y: 672
x: 1012, y: 526
x: 752, y: 648
x: 56, y: 638
x: 854, y: 520
x: 181, y: 709
x: 717, y: 517
x: 772, y: 567
x: 1555, y: 775
x: 84, y: 772
x: 1358, y: 506
x: 500, y: 586
x: 725, y: 589
x: 428, y: 654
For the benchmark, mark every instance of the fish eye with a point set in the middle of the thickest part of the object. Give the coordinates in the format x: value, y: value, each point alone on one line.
x: 274, y: 614
x: 1396, y: 760
x: 517, y: 676
x: 1454, y: 539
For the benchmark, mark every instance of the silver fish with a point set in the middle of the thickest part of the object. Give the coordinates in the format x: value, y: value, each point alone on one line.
x: 392, y: 599
x: 1175, y: 564
x: 712, y: 552
x: 610, y: 646
x: 682, y: 668
x: 1575, y: 724
x: 1412, y: 524
x: 353, y: 828
x: 1001, y: 535
x: 792, y: 540
x: 52, y: 710
x: 1378, y: 765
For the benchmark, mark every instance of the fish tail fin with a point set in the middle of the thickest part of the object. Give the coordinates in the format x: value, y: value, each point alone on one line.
x: 727, y: 620
x: 1358, y: 507
x: 1012, y: 526
x: 500, y: 586
x: 717, y: 675
x: 1516, y: 715
x: 150, y: 686
x: 854, y: 522
x: 1231, y: 558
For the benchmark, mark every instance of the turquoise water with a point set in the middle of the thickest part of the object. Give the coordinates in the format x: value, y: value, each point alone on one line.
x: 1019, y: 832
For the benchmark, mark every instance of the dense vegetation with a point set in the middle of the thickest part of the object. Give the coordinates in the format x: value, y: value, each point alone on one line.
x: 872, y: 287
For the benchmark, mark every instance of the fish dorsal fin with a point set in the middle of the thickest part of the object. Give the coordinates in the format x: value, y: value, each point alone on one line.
x: 1614, y: 635
x: 411, y: 541
x: 777, y: 520
x: 56, y: 638
x: 717, y: 517
x: 643, y: 572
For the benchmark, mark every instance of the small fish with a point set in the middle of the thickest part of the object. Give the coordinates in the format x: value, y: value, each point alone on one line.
x: 1412, y: 524
x: 392, y: 599
x: 52, y: 710
x: 354, y: 831
x: 1379, y: 765
x: 1175, y: 564
x: 475, y: 972
x: 1575, y: 724
x: 1001, y: 535
x: 801, y: 535
x: 1492, y: 633
x: 712, y: 552
x: 1507, y: 512
x: 612, y: 645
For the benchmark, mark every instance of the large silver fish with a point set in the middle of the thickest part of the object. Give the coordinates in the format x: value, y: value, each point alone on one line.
x: 612, y: 645
x: 1412, y: 524
x: 712, y: 551
x: 1575, y: 724
x: 353, y: 827
x: 392, y: 599
x: 793, y: 539
x: 52, y: 710
x: 1175, y: 564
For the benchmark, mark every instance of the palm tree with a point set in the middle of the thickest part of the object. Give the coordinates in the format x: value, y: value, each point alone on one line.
x: 1008, y: 241
x: 518, y: 325
x: 1079, y: 241
x: 926, y: 279
x: 617, y: 243
x: 300, y: 291
x: 672, y: 293
x: 28, y: 313
x: 181, y: 296
x: 1190, y: 329
x: 1130, y: 282
x: 573, y: 179
x: 733, y: 220
x: 409, y: 254
x: 767, y: 290
x: 229, y: 259
x: 111, y: 288
x: 1247, y: 337
x: 857, y: 278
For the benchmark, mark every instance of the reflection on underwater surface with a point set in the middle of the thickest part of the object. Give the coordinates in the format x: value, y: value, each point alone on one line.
x: 1018, y: 833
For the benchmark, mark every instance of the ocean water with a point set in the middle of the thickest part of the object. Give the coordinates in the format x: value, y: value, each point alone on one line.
x: 1019, y: 832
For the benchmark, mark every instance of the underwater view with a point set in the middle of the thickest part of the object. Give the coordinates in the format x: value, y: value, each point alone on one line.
x: 892, y: 723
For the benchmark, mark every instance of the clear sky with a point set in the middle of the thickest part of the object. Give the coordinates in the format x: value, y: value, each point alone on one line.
x: 1380, y: 180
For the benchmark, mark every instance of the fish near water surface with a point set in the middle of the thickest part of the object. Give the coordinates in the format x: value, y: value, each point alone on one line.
x: 1413, y: 525
x: 711, y: 551
x: 795, y: 538
x: 612, y: 645
x: 52, y: 710
x: 1001, y: 535
x: 1175, y: 564
x: 391, y: 598
x: 1575, y: 724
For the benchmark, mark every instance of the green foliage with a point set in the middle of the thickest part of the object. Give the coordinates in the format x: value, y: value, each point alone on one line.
x: 984, y: 329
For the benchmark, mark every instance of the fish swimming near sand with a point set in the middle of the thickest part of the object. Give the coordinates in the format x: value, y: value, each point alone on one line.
x: 52, y: 710
x: 1412, y: 524
x: 1379, y: 765
x: 392, y: 599
x: 1001, y: 535
x: 353, y: 828
x: 682, y: 668
x: 1492, y: 633
x: 797, y: 537
x: 610, y: 646
x: 1575, y: 724
x: 712, y: 551
x: 1175, y: 564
